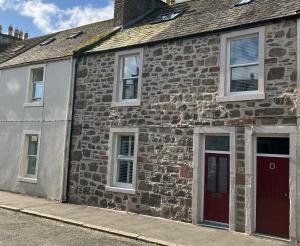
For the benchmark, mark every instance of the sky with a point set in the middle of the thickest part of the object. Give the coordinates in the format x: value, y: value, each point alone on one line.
x: 38, y: 17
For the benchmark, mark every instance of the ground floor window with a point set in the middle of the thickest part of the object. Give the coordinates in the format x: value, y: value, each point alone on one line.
x: 29, y: 162
x: 122, y: 160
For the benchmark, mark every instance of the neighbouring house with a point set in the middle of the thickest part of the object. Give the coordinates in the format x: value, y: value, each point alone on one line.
x: 11, y: 37
x: 36, y: 98
x: 190, y: 113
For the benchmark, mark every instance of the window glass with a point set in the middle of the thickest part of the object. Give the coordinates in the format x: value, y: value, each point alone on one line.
x: 130, y: 87
x: 131, y: 67
x: 223, y: 175
x: 244, y: 69
x: 130, y: 80
x: 37, y: 84
x: 125, y: 159
x: 244, y: 51
x: 217, y: 143
x: 32, y: 154
x: 276, y: 146
x: 244, y: 79
x: 211, y: 174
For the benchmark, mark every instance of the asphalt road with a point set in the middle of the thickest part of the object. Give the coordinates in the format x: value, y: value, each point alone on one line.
x: 18, y: 229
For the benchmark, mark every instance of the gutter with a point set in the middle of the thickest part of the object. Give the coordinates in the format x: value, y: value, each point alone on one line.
x: 199, y: 34
x: 68, y: 151
x: 298, y: 137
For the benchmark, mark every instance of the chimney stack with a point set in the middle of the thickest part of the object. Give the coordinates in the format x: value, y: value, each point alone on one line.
x: 25, y: 35
x: 129, y: 11
x: 10, y: 30
x: 171, y: 2
x: 0, y: 29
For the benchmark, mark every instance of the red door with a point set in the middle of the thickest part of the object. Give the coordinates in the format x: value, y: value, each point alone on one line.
x: 272, y: 199
x: 216, y: 195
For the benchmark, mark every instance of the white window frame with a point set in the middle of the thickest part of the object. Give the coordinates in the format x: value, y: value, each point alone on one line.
x: 23, y: 176
x: 224, y: 91
x: 118, y: 84
x: 29, y: 102
x: 199, y: 172
x: 112, y: 184
x: 251, y: 134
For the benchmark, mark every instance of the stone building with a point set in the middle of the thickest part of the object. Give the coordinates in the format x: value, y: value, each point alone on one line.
x: 190, y: 113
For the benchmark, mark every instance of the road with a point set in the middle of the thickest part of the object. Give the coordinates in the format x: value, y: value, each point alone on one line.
x: 18, y: 229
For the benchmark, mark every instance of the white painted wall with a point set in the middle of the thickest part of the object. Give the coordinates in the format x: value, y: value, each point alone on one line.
x: 51, y: 119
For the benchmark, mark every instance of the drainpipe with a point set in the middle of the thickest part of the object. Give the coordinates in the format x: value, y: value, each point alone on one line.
x: 298, y: 137
x: 65, y: 171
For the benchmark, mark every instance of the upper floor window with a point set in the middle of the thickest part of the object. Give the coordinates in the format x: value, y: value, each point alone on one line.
x: 35, y: 95
x: 242, y: 65
x: 128, y: 74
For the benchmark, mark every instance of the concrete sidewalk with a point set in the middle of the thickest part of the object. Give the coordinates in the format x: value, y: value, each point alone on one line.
x: 149, y: 229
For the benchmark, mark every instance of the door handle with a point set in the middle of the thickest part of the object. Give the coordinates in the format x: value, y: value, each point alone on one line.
x: 286, y: 195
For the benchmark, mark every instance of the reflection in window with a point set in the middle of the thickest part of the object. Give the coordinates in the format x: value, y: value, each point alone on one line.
x: 275, y: 146
x: 217, y: 143
x: 244, y: 64
x: 37, y: 76
x: 130, y: 77
x: 223, y: 175
x: 211, y: 174
x: 32, y: 143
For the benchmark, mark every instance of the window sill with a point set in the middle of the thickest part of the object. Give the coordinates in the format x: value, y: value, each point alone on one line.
x: 245, y: 97
x: 120, y: 190
x: 34, y: 104
x: 27, y: 180
x: 126, y: 103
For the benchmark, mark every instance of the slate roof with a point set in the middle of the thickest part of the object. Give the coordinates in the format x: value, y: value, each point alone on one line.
x: 201, y: 16
x: 62, y: 47
x: 12, y: 50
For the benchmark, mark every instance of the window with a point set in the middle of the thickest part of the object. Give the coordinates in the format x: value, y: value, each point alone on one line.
x: 36, y: 86
x: 128, y: 76
x: 242, y: 66
x: 168, y: 16
x: 48, y: 41
x: 272, y: 145
x: 29, y: 162
x: 242, y: 2
x: 75, y: 35
x: 122, y: 160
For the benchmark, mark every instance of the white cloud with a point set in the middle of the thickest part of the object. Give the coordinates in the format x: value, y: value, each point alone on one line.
x: 48, y: 17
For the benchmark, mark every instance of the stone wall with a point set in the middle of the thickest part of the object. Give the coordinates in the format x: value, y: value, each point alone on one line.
x: 179, y: 89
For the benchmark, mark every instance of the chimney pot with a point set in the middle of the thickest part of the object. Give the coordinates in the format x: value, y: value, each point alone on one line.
x: 10, y: 30
x: 26, y: 35
x: 16, y: 34
x: 21, y: 34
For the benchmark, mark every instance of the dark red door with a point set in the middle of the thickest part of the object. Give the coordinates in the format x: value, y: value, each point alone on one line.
x: 272, y: 198
x: 216, y: 194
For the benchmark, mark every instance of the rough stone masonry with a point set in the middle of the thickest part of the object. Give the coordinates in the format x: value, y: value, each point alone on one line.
x: 179, y: 88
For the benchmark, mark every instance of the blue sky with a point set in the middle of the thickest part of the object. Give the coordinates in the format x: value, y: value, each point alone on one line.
x: 44, y: 16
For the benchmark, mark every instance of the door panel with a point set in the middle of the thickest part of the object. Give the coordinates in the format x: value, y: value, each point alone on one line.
x: 272, y: 197
x: 216, y: 195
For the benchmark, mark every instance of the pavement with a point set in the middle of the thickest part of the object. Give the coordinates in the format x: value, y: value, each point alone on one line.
x: 18, y: 229
x: 139, y: 227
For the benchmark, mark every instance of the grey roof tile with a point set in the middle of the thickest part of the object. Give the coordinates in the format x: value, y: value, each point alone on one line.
x: 201, y: 16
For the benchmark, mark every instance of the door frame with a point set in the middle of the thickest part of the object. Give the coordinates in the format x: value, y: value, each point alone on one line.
x: 251, y: 134
x: 199, y: 172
